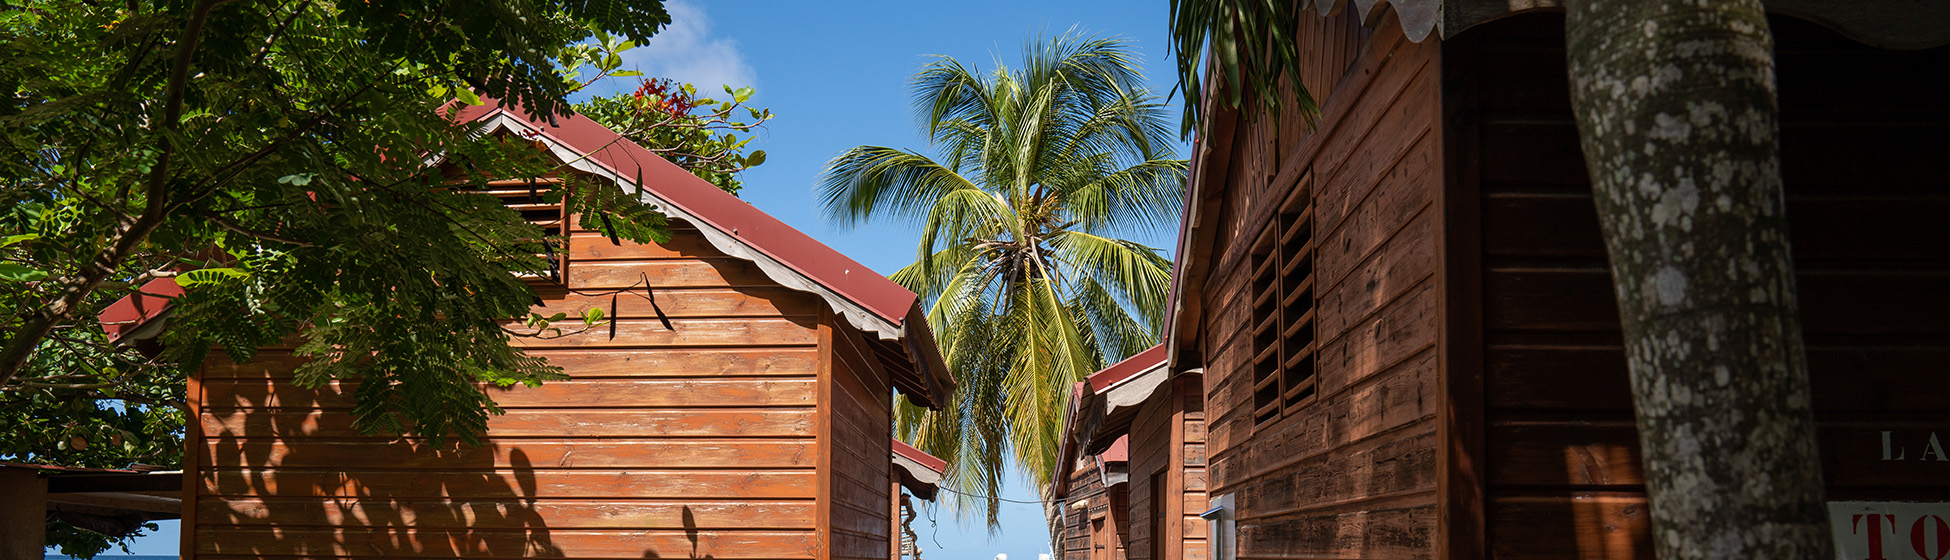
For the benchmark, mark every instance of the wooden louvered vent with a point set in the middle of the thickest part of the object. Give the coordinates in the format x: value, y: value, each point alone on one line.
x: 527, y: 196
x: 1283, y: 310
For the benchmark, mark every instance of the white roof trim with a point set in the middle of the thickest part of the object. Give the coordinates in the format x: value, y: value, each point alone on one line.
x: 856, y: 315
x: 915, y: 468
x: 1132, y: 391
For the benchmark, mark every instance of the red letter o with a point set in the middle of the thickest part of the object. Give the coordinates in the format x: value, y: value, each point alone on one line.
x: 1942, y: 537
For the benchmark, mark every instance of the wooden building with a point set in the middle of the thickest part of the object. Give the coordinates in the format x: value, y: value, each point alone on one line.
x: 1096, y: 499
x: 1404, y: 317
x: 742, y: 412
x: 1137, y: 416
x: 919, y: 474
x: 1092, y: 486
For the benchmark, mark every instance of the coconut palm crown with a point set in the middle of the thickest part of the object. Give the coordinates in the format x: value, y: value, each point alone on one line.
x: 1039, y: 170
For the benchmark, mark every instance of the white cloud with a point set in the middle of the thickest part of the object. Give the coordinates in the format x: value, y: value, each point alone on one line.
x: 686, y: 51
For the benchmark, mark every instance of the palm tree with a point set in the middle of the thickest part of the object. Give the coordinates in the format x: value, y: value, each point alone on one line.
x: 1029, y: 287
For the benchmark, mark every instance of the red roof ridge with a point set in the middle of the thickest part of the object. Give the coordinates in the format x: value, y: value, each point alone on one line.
x: 1138, y: 363
x: 915, y: 454
x: 629, y: 162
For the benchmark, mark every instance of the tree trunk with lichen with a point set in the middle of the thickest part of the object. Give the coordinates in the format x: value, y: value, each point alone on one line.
x: 1675, y: 104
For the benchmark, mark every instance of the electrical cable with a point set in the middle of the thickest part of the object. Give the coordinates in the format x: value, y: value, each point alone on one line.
x: 999, y: 498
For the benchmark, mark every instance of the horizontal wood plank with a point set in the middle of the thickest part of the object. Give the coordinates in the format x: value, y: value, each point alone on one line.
x: 756, y: 422
x: 221, y: 394
x: 506, y: 513
x: 1587, y: 525
x: 681, y: 332
x: 514, y: 454
x: 683, y: 273
x: 535, y: 542
x: 686, y: 303
x: 539, y: 483
x: 583, y: 363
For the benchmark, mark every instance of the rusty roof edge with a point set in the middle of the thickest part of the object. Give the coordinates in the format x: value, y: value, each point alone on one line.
x: 857, y: 314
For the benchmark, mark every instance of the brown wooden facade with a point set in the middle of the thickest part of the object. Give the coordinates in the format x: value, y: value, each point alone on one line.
x: 1151, y: 425
x: 1167, y: 473
x: 1096, y: 521
x: 730, y: 417
x: 1404, y: 316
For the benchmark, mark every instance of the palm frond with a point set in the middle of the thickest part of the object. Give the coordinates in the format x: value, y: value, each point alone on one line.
x: 1024, y: 295
x: 1253, y: 48
x: 870, y: 180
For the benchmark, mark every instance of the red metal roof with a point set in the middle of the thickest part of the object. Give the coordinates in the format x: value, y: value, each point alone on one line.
x: 147, y: 303
x: 1127, y: 368
x: 727, y: 213
x: 1119, y: 450
x: 916, y: 455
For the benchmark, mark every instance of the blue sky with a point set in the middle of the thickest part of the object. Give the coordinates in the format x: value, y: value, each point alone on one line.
x: 836, y: 75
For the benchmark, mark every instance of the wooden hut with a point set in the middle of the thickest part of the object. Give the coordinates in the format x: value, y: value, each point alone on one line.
x: 1091, y: 484
x: 744, y: 412
x: 1140, y: 410
x: 1405, y: 318
x: 919, y: 474
x: 1096, y: 500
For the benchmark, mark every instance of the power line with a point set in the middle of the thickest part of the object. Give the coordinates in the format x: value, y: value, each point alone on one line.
x: 999, y: 498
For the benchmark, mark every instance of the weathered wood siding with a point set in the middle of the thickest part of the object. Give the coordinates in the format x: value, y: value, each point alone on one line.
x: 1167, y: 478
x: 1094, y: 531
x: 1350, y: 471
x: 856, y: 411
x: 1864, y: 135
x: 695, y: 442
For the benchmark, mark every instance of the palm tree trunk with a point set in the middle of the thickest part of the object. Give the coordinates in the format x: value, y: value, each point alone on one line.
x: 1675, y: 103
x: 1053, y: 515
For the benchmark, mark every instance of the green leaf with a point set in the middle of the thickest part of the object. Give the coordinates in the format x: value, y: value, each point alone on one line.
x: 12, y: 239
x: 20, y: 273
x: 757, y: 157
x: 299, y: 179
x: 467, y: 96
x: 592, y: 316
x: 743, y: 94
x: 626, y: 74
x: 211, y: 276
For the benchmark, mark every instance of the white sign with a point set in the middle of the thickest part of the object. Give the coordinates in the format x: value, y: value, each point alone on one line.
x: 1890, y: 530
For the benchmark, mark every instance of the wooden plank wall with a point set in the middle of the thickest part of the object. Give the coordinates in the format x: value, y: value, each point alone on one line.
x: 685, y: 443
x: 1168, y: 448
x: 856, y: 406
x: 1864, y: 136
x: 1352, y: 475
x: 1079, y: 541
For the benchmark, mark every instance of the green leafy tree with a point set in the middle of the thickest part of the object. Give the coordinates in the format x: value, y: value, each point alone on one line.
x: 1028, y: 286
x: 268, y: 156
x: 699, y: 134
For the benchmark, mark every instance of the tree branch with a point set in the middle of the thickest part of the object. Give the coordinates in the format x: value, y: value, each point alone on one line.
x: 75, y: 288
x: 226, y: 224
